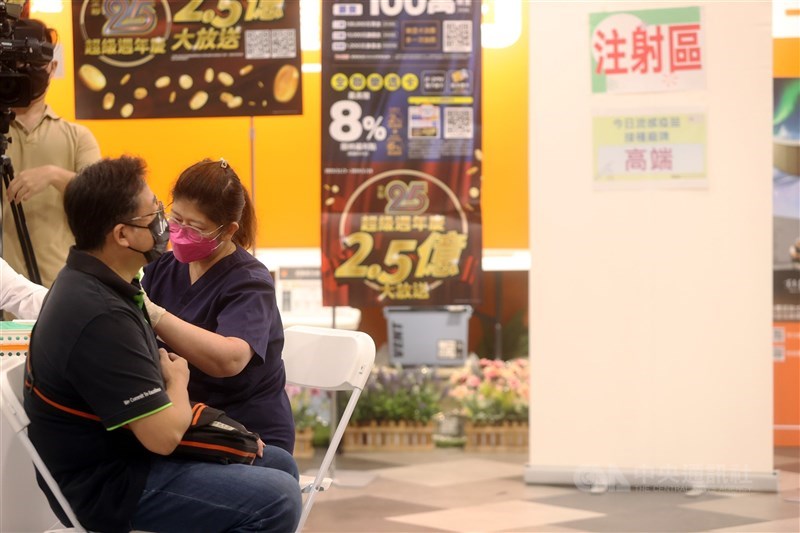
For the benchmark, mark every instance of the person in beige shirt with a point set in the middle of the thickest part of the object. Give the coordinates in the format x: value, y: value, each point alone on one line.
x: 46, y: 152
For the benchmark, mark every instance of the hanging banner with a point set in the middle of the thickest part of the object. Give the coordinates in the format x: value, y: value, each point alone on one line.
x: 401, y: 152
x: 647, y: 51
x: 186, y: 58
x: 786, y: 199
x: 786, y: 219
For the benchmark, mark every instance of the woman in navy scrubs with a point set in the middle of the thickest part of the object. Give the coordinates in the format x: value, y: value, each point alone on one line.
x: 213, y: 303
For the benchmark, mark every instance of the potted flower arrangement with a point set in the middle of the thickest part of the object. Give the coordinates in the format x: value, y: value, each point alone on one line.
x: 395, y: 410
x: 493, y: 396
x: 305, y: 408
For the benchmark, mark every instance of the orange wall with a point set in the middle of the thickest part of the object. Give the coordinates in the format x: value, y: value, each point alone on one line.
x: 287, y: 148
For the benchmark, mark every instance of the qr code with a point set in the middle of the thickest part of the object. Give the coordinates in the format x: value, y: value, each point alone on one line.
x: 266, y: 44
x: 284, y: 43
x: 257, y: 44
x: 458, y: 123
x: 457, y: 36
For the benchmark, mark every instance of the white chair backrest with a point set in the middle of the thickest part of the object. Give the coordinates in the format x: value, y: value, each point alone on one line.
x: 329, y: 359
x: 12, y: 370
x: 32, y: 513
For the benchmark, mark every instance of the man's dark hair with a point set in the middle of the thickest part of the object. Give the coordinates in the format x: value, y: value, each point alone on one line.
x: 101, y: 196
x: 37, y: 29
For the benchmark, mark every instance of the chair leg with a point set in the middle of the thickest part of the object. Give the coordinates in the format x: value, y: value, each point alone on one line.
x: 306, y: 509
x: 336, y: 439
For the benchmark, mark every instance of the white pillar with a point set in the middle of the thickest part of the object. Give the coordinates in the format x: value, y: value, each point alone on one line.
x: 650, y: 309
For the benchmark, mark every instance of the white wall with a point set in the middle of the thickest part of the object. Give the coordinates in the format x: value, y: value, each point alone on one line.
x: 650, y: 310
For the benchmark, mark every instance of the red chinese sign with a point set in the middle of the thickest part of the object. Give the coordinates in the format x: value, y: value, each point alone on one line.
x: 643, y: 51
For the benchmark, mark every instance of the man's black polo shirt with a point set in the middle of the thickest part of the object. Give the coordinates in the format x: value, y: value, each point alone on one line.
x: 93, y: 351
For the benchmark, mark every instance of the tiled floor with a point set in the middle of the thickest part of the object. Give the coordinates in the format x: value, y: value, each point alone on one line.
x: 449, y: 490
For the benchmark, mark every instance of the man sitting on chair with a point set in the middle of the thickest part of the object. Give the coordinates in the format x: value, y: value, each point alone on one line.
x: 94, y: 352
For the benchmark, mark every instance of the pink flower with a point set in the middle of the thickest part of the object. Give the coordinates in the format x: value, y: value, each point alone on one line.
x: 459, y: 392
x: 489, y: 389
x: 491, y: 372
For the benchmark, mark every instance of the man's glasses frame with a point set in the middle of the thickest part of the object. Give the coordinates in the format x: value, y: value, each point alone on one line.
x: 160, y: 216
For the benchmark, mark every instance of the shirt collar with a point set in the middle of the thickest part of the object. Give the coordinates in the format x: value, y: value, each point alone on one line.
x: 48, y: 112
x: 89, y: 264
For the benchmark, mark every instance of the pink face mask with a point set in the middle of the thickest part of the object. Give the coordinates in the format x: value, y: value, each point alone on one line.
x: 188, y: 245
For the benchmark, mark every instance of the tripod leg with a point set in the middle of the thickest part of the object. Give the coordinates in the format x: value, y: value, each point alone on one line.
x: 21, y: 225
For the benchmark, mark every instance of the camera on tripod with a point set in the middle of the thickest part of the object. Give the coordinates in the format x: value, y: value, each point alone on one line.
x: 21, y: 47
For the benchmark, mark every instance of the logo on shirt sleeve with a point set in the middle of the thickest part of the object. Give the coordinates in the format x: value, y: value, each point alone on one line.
x: 145, y: 394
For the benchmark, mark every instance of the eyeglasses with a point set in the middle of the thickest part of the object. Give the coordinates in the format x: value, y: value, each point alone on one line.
x: 158, y: 224
x: 193, y: 234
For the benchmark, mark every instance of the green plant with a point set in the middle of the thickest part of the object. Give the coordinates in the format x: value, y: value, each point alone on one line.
x: 322, y: 436
x: 492, y: 390
x: 396, y: 393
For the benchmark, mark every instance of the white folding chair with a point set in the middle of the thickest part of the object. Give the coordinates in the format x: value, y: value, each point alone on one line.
x: 327, y: 359
x: 12, y: 370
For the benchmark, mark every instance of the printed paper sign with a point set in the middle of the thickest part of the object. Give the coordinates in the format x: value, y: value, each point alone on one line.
x: 665, y: 147
x: 647, y: 51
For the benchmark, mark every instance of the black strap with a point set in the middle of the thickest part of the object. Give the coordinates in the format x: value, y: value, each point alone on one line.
x: 36, y: 392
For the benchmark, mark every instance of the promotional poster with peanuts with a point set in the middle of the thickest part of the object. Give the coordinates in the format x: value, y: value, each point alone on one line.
x: 401, y: 152
x: 186, y: 58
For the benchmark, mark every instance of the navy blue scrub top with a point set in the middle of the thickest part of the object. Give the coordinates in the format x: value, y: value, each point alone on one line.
x: 235, y: 298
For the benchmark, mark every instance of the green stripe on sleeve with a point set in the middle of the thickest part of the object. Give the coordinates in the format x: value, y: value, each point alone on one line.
x: 140, y: 417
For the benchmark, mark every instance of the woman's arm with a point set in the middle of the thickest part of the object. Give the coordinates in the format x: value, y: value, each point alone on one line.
x: 214, y: 354
x: 161, y: 432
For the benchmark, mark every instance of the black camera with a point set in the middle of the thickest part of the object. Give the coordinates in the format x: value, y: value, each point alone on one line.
x: 22, y: 45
